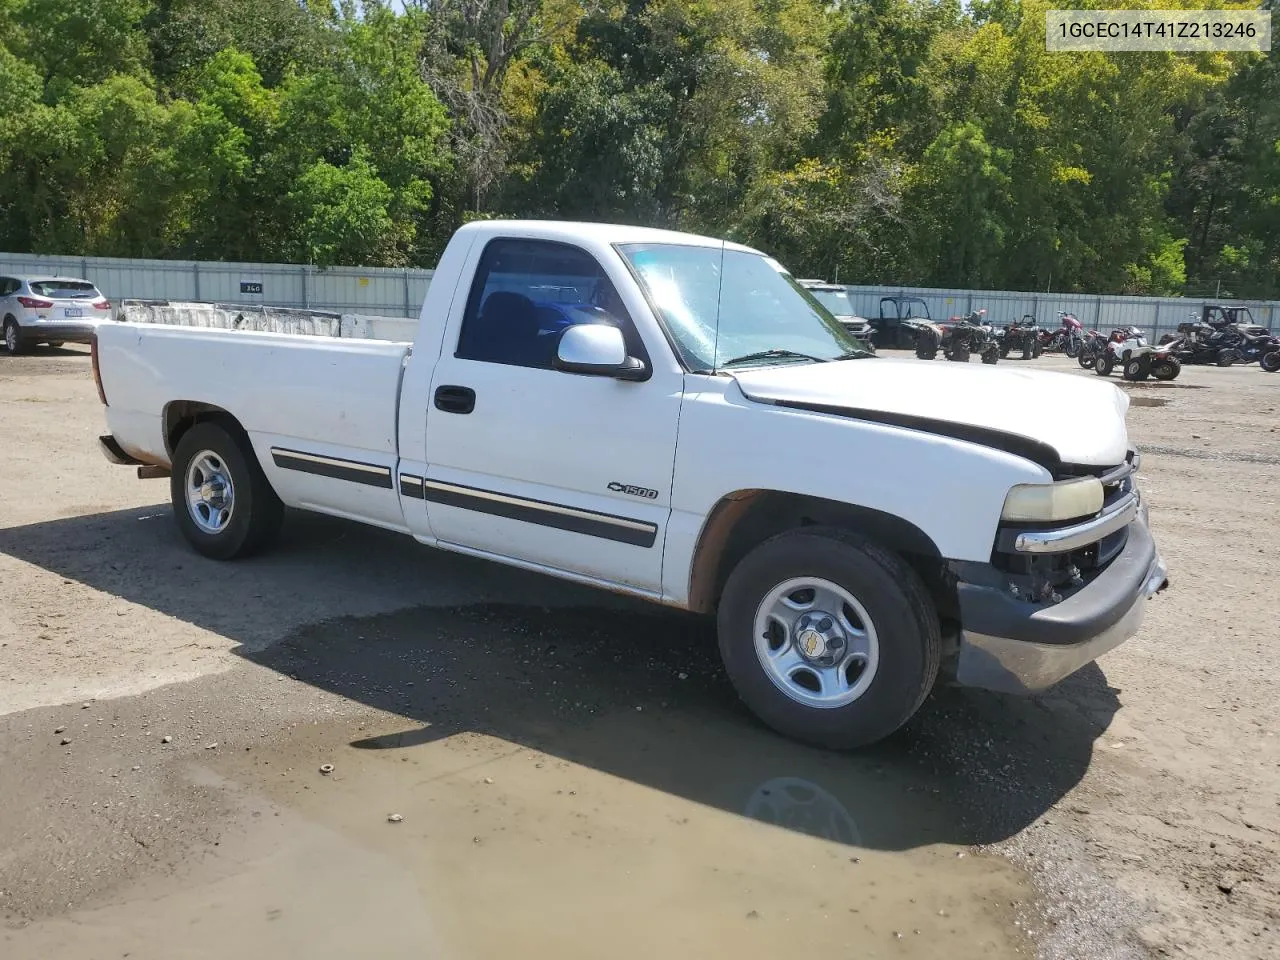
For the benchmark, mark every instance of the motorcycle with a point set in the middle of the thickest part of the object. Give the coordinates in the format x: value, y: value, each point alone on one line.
x: 1128, y: 346
x: 1068, y: 338
x: 1092, y: 343
x: 1255, y: 343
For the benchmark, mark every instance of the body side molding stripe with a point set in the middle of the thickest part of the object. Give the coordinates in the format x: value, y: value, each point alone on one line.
x: 604, y: 525
x: 355, y: 471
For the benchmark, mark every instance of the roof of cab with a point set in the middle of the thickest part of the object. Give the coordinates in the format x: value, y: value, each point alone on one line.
x: 570, y: 230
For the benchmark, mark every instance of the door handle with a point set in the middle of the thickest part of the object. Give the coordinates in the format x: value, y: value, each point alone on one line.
x: 453, y: 399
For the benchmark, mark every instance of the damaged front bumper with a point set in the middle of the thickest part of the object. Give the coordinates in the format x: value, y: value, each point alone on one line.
x: 1011, y: 644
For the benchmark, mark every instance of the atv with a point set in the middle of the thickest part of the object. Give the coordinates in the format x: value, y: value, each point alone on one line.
x: 1128, y: 346
x: 1021, y: 335
x: 958, y: 338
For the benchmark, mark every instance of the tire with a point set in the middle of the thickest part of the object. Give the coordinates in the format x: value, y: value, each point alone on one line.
x: 1085, y: 360
x: 1026, y: 350
x: 990, y: 355
x: 1103, y: 364
x: 12, y: 337
x: 1072, y: 348
x: 903, y: 646
x: 1166, y: 368
x: 1270, y: 362
x: 959, y: 354
x: 255, y: 512
x: 1226, y: 357
x: 1004, y: 351
x: 1036, y: 349
x: 1137, y: 369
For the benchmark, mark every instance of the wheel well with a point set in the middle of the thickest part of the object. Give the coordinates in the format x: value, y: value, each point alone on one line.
x: 181, y: 415
x: 746, y: 518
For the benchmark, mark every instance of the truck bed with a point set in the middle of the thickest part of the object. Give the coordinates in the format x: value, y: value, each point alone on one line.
x: 321, y: 397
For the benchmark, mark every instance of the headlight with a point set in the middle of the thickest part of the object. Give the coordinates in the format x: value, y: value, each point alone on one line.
x: 1054, y: 501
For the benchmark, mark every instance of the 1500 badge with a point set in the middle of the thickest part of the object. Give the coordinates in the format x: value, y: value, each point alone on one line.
x: 631, y: 491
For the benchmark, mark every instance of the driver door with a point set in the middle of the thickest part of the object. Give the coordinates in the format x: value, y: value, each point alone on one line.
x: 527, y: 462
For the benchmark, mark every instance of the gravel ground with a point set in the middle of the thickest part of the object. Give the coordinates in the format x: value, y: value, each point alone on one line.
x: 576, y: 761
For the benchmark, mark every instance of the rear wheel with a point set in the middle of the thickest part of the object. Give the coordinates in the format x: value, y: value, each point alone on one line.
x: 828, y: 637
x: 222, y: 501
x: 1270, y: 362
x: 1166, y: 368
x: 1085, y: 360
x: 959, y: 354
x: 990, y: 354
x: 1137, y: 368
x: 1036, y: 348
x: 1026, y: 350
x: 1226, y: 357
x: 1103, y: 364
x: 12, y: 339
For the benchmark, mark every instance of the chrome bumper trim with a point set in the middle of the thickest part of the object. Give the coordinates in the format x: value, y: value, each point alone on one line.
x: 1066, y: 539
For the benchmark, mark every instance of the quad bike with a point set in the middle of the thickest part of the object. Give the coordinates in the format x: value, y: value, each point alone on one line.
x: 1202, y: 343
x: 1067, y: 339
x: 958, y: 338
x: 1139, y: 360
x: 1021, y: 335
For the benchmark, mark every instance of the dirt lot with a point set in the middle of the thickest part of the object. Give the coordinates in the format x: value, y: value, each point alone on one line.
x: 570, y: 770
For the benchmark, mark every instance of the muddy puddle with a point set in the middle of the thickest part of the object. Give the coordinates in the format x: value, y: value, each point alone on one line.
x: 527, y: 785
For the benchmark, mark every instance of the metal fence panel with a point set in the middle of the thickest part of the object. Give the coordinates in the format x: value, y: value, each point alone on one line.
x: 393, y: 292
x: 361, y: 290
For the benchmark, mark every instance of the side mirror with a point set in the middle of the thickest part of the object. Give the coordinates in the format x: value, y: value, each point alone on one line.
x: 597, y: 349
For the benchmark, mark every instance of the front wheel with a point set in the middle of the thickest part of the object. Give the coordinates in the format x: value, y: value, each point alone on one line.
x: 959, y: 354
x: 1270, y: 362
x: 1103, y: 365
x: 222, y: 501
x: 1166, y: 368
x: 1086, y: 361
x: 828, y: 637
x: 990, y: 355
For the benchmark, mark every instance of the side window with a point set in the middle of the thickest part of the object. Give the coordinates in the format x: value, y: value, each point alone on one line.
x: 525, y: 293
x: 8, y: 286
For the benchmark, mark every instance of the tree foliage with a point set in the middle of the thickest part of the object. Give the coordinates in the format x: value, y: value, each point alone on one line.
x: 896, y: 141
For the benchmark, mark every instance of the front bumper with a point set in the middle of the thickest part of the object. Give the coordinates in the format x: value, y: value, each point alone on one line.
x: 1011, y: 645
x: 71, y: 332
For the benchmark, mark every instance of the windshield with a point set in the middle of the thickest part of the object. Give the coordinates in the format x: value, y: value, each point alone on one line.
x: 720, y: 306
x: 837, y: 302
x: 64, y: 289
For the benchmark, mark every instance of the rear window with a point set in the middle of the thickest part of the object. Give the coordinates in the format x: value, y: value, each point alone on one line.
x: 64, y: 289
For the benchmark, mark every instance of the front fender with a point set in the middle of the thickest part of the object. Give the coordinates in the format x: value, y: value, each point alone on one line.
x: 952, y: 490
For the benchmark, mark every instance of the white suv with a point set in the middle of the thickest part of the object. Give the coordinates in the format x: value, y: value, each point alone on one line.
x: 52, y: 310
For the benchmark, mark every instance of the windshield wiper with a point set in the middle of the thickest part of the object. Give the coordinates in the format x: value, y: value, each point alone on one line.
x: 771, y: 354
x: 856, y: 355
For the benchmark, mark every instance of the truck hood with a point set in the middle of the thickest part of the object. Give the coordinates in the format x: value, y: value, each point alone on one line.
x: 1041, y: 415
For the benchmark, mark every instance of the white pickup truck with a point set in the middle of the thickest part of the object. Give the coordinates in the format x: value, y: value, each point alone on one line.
x: 675, y: 417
